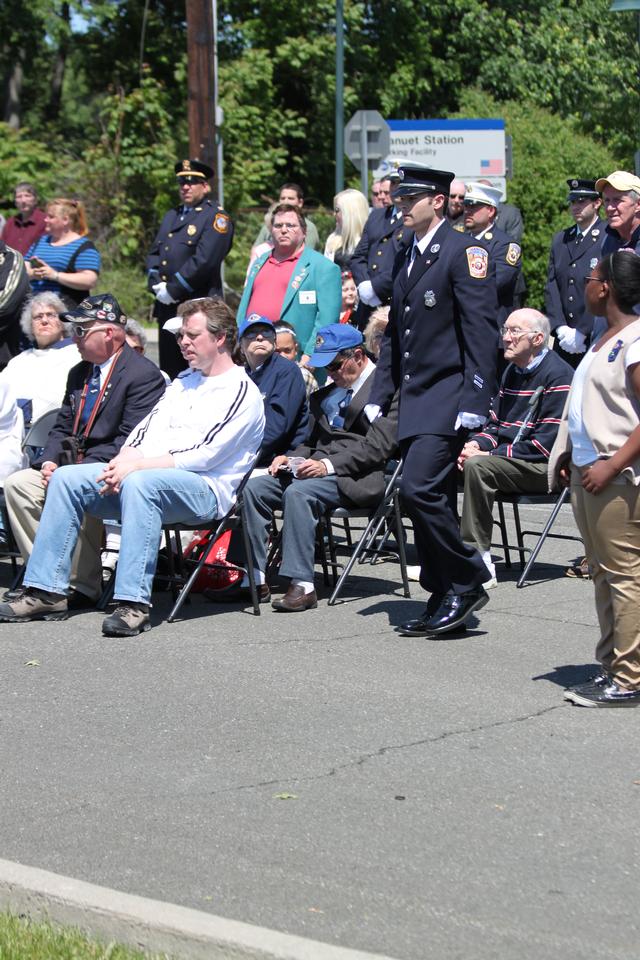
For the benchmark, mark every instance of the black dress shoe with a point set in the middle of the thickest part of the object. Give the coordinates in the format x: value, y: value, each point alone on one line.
x: 237, y: 594
x: 451, y: 614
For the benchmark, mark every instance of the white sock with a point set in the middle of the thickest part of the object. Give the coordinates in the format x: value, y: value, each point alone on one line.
x: 258, y: 576
x: 491, y: 567
x: 305, y: 584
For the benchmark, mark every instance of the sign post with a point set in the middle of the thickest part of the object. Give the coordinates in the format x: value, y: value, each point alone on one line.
x: 366, y: 142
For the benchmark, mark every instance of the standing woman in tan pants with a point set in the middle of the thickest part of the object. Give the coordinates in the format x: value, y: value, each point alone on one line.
x: 598, y: 452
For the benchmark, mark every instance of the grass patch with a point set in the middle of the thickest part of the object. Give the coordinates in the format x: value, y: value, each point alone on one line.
x: 23, y: 939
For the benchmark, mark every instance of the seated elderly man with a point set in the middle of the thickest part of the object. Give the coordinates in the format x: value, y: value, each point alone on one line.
x: 281, y: 385
x: 38, y: 376
x: 107, y: 393
x: 341, y: 463
x: 181, y: 463
x: 510, y: 454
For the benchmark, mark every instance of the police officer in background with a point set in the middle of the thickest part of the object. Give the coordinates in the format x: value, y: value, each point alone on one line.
x: 574, y: 254
x: 186, y: 256
x: 480, y: 210
x: 439, y: 351
x: 383, y: 237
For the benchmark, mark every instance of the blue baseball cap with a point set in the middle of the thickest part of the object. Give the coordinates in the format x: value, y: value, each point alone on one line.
x: 331, y: 340
x: 254, y: 320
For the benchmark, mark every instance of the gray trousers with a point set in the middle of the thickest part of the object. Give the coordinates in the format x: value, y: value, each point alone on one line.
x: 483, y: 478
x: 302, y: 502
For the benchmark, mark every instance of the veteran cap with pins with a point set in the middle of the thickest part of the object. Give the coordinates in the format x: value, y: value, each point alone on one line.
x: 581, y: 189
x: 331, y: 340
x: 192, y: 171
x: 415, y: 178
x: 103, y: 307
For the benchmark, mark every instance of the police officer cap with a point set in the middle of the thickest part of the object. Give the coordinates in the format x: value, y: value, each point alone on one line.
x: 482, y: 193
x: 194, y: 170
x: 331, y: 340
x: 582, y: 189
x: 415, y: 178
x: 254, y: 320
x: 103, y: 308
x: 619, y: 180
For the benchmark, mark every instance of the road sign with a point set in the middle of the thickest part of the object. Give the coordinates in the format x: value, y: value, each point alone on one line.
x: 470, y: 148
x: 366, y: 142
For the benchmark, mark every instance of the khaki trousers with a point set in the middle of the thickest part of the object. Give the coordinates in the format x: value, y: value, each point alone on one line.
x: 24, y: 494
x: 483, y: 478
x: 610, y: 526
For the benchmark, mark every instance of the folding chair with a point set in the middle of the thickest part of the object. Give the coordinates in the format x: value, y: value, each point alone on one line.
x: 181, y: 584
x: 385, y: 520
x: 516, y: 501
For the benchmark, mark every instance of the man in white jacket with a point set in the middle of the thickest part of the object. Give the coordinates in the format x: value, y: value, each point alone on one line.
x: 182, y: 463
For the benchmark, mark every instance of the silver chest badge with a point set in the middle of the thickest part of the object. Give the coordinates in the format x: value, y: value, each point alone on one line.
x: 593, y: 263
x: 435, y: 248
x: 429, y: 299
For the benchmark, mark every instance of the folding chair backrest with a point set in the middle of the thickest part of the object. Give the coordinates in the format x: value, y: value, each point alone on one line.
x: 38, y: 433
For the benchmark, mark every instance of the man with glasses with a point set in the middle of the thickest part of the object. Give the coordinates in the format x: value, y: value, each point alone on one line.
x: 440, y: 352
x: 340, y: 463
x: 106, y: 395
x: 455, y: 205
x: 574, y: 254
x: 280, y: 384
x: 511, y: 452
x: 293, y: 282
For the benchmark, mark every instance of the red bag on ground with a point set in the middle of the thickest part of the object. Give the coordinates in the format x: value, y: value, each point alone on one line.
x: 217, y: 572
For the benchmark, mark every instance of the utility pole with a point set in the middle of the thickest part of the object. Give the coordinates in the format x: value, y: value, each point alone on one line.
x: 201, y: 81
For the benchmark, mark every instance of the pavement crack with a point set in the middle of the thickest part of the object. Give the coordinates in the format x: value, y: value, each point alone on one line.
x: 392, y: 748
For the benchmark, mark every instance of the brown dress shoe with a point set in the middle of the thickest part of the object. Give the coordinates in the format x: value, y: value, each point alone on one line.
x: 295, y: 600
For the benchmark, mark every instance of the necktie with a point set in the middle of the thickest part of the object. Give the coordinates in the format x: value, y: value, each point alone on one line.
x: 338, y: 419
x: 414, y: 254
x: 93, y: 389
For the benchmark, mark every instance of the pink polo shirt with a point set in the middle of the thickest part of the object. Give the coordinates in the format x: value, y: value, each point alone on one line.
x: 270, y: 286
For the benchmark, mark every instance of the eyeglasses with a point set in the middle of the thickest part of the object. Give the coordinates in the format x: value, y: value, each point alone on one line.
x: 597, y: 280
x: 516, y: 333
x: 339, y: 361
x: 456, y: 196
x: 262, y: 334
x: 285, y: 226
x: 82, y: 330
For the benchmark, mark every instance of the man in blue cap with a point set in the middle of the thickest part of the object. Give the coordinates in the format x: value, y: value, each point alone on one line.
x: 439, y: 351
x: 343, y: 461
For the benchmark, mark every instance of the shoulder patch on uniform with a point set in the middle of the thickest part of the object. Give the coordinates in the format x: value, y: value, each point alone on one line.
x: 513, y: 254
x: 221, y: 223
x: 478, y: 260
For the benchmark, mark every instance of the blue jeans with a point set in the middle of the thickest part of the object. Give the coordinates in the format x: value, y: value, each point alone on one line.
x: 147, y: 499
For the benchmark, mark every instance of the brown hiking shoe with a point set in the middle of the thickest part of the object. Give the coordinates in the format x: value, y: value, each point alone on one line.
x: 127, y: 620
x: 33, y: 604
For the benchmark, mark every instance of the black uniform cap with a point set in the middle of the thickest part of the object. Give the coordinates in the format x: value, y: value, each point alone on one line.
x: 193, y: 168
x: 419, y: 179
x: 582, y: 189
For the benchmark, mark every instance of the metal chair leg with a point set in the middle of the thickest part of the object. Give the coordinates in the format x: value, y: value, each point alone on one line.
x: 502, y: 523
x: 543, y: 536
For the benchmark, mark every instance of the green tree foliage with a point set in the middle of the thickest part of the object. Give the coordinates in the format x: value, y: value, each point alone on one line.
x: 546, y: 152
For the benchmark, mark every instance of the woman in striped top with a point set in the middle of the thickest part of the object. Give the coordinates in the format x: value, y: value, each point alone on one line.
x: 64, y: 261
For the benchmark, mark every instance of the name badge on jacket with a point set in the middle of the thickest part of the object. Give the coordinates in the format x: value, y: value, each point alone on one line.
x: 307, y: 296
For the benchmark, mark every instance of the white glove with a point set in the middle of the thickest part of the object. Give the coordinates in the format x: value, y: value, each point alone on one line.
x: 368, y: 295
x: 372, y: 411
x: 160, y: 290
x: 469, y: 421
x: 571, y: 340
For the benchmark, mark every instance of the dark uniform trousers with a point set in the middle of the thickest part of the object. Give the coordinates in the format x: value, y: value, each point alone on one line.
x: 439, y: 350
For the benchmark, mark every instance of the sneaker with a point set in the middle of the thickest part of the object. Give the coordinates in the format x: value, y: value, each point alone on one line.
x: 33, y: 604
x: 127, y: 620
x: 598, y: 694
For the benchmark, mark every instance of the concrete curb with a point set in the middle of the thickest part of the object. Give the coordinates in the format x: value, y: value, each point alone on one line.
x: 151, y: 924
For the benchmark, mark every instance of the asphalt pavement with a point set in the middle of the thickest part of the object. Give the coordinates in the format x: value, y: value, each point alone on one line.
x: 320, y: 775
